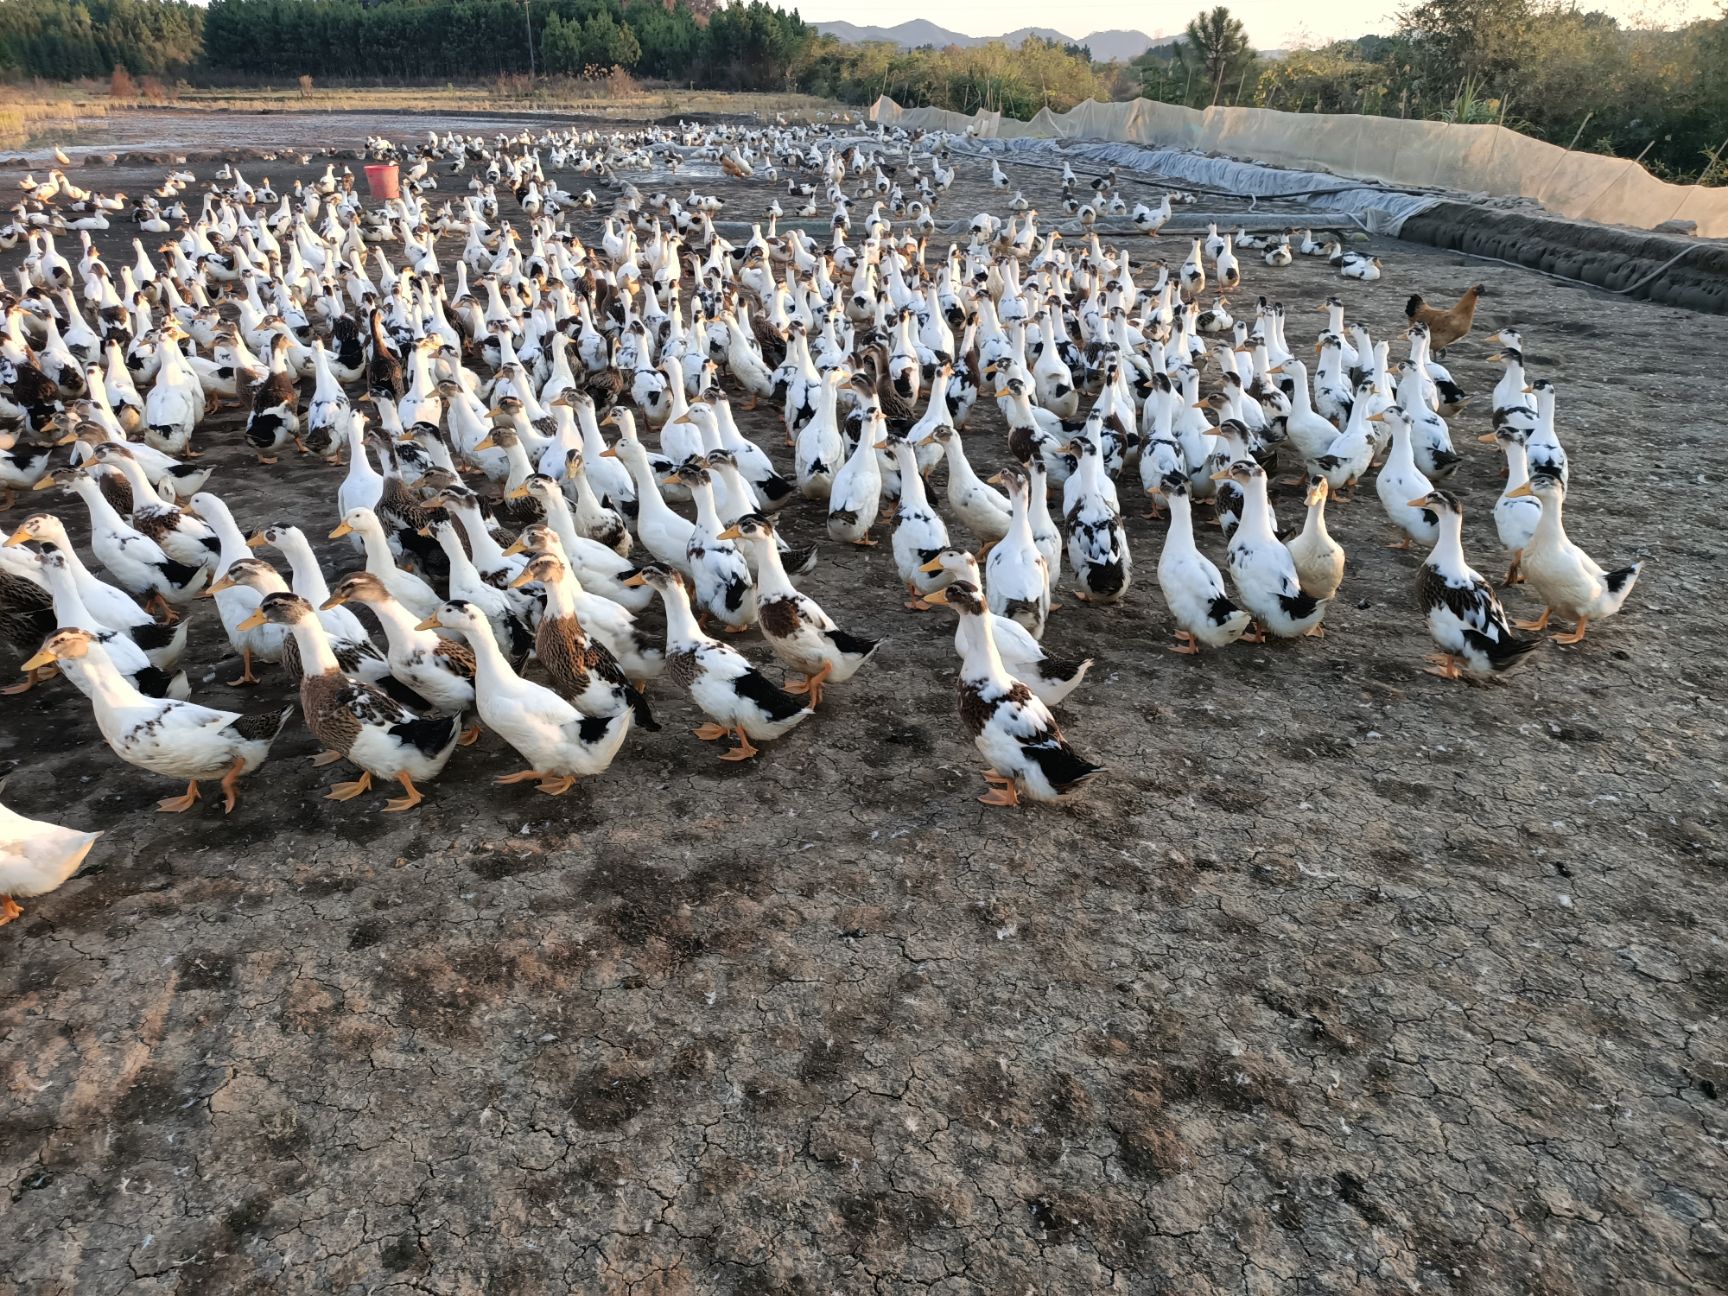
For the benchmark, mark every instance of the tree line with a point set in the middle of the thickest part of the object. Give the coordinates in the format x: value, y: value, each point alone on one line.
x: 1574, y: 77
x: 748, y: 46
x: 1578, y: 79
x: 61, y: 41
x: 744, y: 46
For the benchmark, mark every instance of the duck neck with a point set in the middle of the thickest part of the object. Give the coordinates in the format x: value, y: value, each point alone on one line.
x: 1545, y: 413
x: 1551, y: 525
x: 1448, y: 555
x: 980, y: 661
x: 648, y: 498
x: 1401, y: 456
x: 681, y: 624
x: 562, y: 523
x: 561, y: 596
x: 771, y: 577
x: 1256, y: 512
x: 400, y: 626
x: 486, y: 550
x: 1181, y: 533
x: 69, y: 609
x: 228, y: 535
x: 1020, y: 520
x: 1517, y: 464
x: 460, y: 563
x: 491, y: 669
x: 1314, y: 525
x: 106, y: 687
x: 309, y: 582
x: 911, y: 480
x: 379, y: 560
x: 102, y: 513
x: 707, y: 516
x: 316, y: 655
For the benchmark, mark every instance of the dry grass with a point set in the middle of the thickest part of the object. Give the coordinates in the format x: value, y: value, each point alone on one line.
x: 595, y: 96
x: 26, y: 111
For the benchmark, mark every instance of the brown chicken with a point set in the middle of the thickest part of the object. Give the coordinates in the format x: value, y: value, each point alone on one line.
x: 1444, y: 326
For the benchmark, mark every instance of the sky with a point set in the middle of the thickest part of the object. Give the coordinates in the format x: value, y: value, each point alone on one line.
x: 1272, y: 24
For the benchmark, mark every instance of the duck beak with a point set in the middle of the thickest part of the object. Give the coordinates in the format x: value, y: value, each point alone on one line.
x: 881, y: 445
x: 732, y: 533
x: 526, y: 577
x: 1420, y: 502
x: 485, y: 443
x: 430, y: 623
x: 252, y: 622
x: 68, y: 439
x: 1520, y: 492
x: 934, y: 565
x: 18, y: 537
x: 47, y: 483
x: 1528, y: 390
x: 1496, y: 356
x: 1221, y: 476
x: 256, y: 541
x: 609, y: 452
x: 634, y: 579
x: 936, y: 596
x: 1487, y: 438
x: 1376, y: 418
x: 217, y: 586
x: 515, y: 547
x: 44, y: 658
x: 341, y: 530
x: 334, y: 601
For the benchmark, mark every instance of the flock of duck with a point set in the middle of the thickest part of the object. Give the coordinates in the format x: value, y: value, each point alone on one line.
x: 507, y: 548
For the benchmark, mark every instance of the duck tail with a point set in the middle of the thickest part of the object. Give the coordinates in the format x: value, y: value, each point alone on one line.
x: 1621, y: 582
x: 1506, y: 651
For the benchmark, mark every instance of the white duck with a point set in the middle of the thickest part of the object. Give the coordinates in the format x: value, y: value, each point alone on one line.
x: 36, y: 857
x: 855, y: 493
x: 1261, y: 566
x: 163, y: 735
x: 1566, y: 578
x: 1464, y: 616
x: 559, y: 743
x: 1011, y: 728
x: 1192, y: 586
x: 1400, y: 481
x: 1515, y: 514
x: 736, y: 697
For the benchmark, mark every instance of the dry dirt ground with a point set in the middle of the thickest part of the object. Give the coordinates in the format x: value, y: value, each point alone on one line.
x: 1343, y: 979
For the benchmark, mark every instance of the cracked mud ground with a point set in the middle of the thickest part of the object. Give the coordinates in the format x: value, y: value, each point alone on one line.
x: 1344, y: 979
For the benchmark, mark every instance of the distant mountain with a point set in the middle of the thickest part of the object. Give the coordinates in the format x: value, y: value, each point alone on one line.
x: 1118, y: 46
x: 1014, y: 38
x: 1106, y: 46
x: 908, y: 35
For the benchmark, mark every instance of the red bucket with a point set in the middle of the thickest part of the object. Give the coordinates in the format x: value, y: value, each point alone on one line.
x: 384, y: 180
